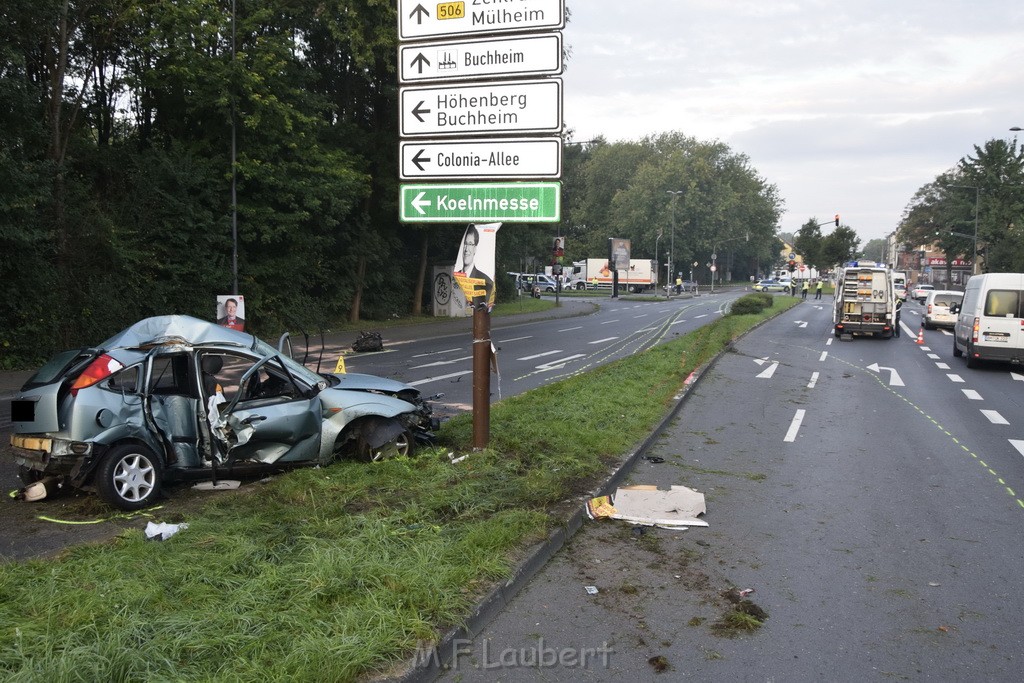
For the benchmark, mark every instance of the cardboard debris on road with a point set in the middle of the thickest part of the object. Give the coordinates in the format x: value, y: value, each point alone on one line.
x: 674, y: 508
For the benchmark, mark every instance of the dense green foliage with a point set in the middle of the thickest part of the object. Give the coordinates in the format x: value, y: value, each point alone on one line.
x: 751, y: 304
x: 984, y: 195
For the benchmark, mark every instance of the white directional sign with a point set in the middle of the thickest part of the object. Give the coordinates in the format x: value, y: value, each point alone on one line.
x: 483, y: 158
x: 422, y: 19
x: 522, y: 56
x: 485, y: 108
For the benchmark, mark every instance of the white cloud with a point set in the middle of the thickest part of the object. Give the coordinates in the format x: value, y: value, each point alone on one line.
x: 847, y: 107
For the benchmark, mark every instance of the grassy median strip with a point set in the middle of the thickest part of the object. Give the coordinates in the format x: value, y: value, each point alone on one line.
x: 337, y: 573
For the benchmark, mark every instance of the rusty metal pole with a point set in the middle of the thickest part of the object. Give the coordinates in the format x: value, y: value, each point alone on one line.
x: 481, y: 376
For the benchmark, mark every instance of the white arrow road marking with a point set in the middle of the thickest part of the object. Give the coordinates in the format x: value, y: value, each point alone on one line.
x: 814, y: 380
x: 801, y: 323
x: 769, y: 371
x: 602, y: 341
x: 540, y: 355
x: 894, y: 377
x: 794, y: 426
x: 560, y: 363
x: 441, y: 362
x: 955, y: 378
x: 761, y: 361
x: 994, y: 417
x: 972, y: 394
x: 438, y: 378
x: 418, y: 203
x: 1019, y: 445
x: 1016, y: 377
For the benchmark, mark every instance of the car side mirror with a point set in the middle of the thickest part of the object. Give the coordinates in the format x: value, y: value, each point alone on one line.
x: 954, y: 308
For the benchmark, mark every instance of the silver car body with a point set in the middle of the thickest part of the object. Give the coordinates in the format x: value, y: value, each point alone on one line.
x: 263, y: 408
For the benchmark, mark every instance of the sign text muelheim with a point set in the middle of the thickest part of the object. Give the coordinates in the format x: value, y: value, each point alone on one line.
x: 482, y: 108
x: 523, y: 158
x: 522, y: 56
x: 420, y: 19
x: 482, y: 203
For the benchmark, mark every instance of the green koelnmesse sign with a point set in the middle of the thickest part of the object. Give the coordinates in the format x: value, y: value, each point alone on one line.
x: 482, y: 202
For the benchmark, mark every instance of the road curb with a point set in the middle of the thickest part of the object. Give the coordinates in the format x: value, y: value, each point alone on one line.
x: 428, y: 669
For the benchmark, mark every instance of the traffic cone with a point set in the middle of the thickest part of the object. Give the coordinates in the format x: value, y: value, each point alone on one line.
x: 920, y: 335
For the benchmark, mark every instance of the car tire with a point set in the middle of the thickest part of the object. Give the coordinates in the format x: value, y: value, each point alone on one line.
x: 927, y: 325
x: 400, y: 446
x: 972, y: 362
x: 129, y: 477
x: 957, y: 353
x: 580, y: 286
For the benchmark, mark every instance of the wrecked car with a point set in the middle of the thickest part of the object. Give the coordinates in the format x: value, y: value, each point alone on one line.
x: 178, y: 398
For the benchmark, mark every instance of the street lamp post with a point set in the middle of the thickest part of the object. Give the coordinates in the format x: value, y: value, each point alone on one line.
x: 656, y: 268
x: 977, y: 201
x: 672, y: 249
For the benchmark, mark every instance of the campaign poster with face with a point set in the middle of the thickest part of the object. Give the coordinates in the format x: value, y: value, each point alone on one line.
x: 474, y: 265
x: 231, y: 311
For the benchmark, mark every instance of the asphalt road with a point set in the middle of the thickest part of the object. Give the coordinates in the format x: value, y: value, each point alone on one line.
x: 871, y: 496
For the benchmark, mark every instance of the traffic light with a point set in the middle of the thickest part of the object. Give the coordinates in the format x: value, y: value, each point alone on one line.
x: 792, y: 266
x: 837, y: 220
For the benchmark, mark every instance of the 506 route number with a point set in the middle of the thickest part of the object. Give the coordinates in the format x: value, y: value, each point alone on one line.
x: 451, y: 10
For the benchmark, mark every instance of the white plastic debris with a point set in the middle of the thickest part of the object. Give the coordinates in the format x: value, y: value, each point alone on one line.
x: 163, y: 530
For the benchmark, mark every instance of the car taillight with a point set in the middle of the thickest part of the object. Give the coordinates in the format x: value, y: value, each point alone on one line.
x: 929, y: 309
x: 98, y: 370
x: 974, y: 334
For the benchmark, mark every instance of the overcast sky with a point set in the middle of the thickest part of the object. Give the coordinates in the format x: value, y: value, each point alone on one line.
x: 847, y: 107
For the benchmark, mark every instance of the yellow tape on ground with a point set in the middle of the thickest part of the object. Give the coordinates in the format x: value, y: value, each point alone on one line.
x: 123, y: 515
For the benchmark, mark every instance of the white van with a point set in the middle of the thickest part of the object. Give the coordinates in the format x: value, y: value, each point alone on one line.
x: 989, y: 321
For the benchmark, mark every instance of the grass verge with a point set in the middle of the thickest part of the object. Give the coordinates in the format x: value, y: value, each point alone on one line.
x: 340, y: 573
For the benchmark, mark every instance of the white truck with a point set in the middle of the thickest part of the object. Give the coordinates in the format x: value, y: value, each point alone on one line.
x: 641, y: 276
x: 865, y: 301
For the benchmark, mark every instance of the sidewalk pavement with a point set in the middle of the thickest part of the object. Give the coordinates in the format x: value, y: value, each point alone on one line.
x: 336, y: 342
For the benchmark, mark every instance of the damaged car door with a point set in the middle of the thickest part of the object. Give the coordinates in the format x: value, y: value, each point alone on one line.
x: 267, y: 414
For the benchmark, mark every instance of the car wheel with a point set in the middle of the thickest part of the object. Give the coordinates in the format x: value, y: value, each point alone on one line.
x: 972, y: 362
x: 400, y: 446
x: 956, y: 349
x: 927, y: 325
x: 129, y: 477
x: 580, y: 286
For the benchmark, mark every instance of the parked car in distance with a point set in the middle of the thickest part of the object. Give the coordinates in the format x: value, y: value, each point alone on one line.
x: 937, y: 311
x: 920, y: 292
x: 771, y: 286
x: 175, y: 397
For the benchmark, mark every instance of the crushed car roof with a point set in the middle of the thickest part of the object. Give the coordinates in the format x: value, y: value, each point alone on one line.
x: 164, y: 328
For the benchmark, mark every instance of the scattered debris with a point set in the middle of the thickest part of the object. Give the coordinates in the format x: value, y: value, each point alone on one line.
x: 368, y: 342
x: 656, y: 459
x: 658, y: 663
x: 591, y: 590
x: 219, y: 485
x: 674, y: 508
x: 163, y: 530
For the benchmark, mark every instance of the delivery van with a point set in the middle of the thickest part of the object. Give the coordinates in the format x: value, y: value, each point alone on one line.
x: 990, y: 321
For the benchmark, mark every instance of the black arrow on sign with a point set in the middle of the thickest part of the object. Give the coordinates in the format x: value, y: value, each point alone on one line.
x: 417, y: 111
x: 420, y: 61
x: 421, y: 11
x: 419, y: 159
